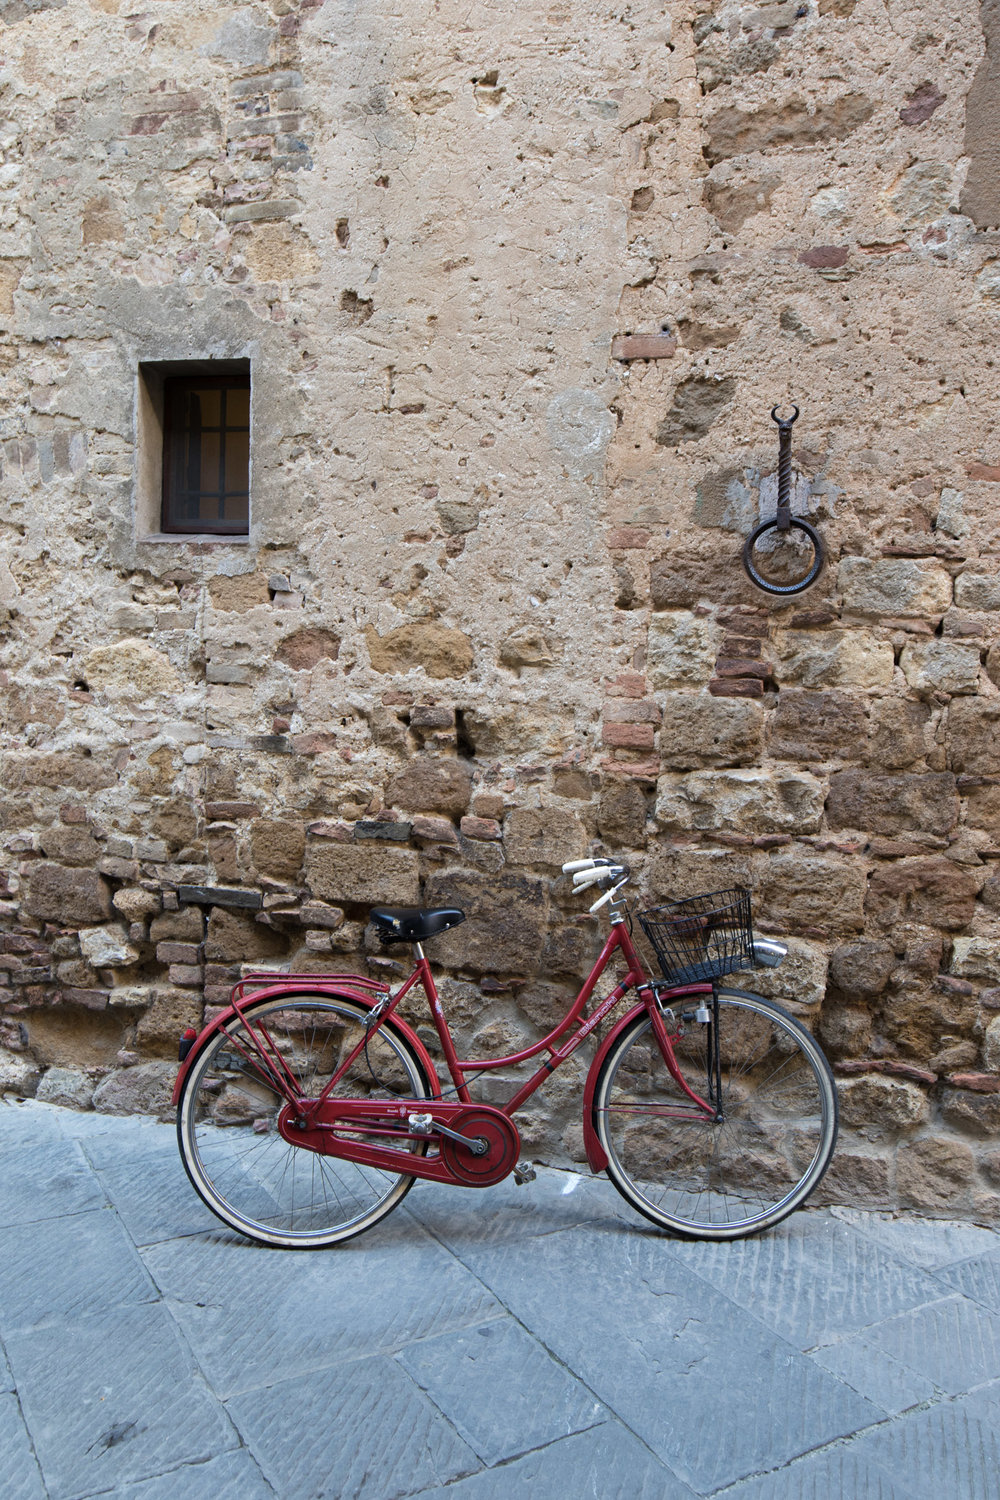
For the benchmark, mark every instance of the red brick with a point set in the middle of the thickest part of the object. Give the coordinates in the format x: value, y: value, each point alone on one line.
x: 824, y: 257
x: 628, y: 736
x: 626, y: 685
x: 628, y: 537
x: 188, y: 976
x: 480, y: 828
x: 631, y: 711
x: 227, y: 812
x: 979, y: 1083
x: 313, y: 743
x: 736, y: 687
x: 736, y: 666
x: 178, y: 953
x: 989, y: 472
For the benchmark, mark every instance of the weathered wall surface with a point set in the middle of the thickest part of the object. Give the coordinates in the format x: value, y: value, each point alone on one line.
x: 491, y: 615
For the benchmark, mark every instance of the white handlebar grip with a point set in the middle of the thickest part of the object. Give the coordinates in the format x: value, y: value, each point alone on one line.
x: 602, y: 901
x: 578, y: 864
x: 583, y: 878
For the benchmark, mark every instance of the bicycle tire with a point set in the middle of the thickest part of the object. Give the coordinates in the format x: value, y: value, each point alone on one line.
x: 702, y: 1179
x: 241, y: 1167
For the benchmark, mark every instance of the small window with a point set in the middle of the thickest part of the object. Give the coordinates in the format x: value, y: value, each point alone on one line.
x: 206, y: 454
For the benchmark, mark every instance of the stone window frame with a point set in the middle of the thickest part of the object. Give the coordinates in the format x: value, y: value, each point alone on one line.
x: 151, y: 376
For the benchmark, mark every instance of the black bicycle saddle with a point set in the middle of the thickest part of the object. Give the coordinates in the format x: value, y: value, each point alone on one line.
x: 412, y: 924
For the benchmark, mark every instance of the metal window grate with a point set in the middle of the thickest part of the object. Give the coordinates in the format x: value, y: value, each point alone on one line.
x: 206, y: 454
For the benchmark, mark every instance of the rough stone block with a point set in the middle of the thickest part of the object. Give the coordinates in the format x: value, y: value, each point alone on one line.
x: 431, y: 785
x: 142, y: 1090
x: 819, y: 892
x: 277, y: 847
x: 833, y: 658
x: 107, y: 947
x: 974, y: 1113
x: 69, y: 1087
x: 751, y: 802
x: 893, y: 804
x: 621, y: 814
x: 980, y: 591
x: 817, y: 727
x: 895, y: 587
x: 130, y: 669
x: 544, y: 836
x: 861, y: 970
x: 699, y: 731
x: 162, y: 1025
x: 60, y: 894
x: 505, y: 922
x: 682, y: 649
x: 440, y: 651
x: 19, y: 1073
x: 935, y: 1175
x: 239, y: 593
x: 887, y: 1103
x: 308, y: 647
x: 932, y: 890
x: 352, y: 872
x: 974, y: 736
x: 434, y: 830
x: 186, y: 925
x: 898, y: 728
x: 233, y: 937
x: 71, y: 846
x: 941, y: 666
x: 135, y: 904
x: 479, y: 828
x: 976, y: 958
x: 799, y: 983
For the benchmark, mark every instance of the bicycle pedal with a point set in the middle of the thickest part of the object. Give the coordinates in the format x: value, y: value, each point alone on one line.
x: 524, y: 1172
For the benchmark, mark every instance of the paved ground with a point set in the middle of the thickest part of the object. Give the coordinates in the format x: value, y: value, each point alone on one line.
x: 476, y: 1345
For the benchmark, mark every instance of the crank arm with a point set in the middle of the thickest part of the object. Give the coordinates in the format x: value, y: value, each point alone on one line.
x: 427, y: 1125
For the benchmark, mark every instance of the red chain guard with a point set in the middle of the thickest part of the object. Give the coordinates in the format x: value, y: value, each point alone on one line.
x: 452, y: 1162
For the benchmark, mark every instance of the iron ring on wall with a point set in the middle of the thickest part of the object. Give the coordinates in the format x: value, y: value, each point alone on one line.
x: 815, y: 567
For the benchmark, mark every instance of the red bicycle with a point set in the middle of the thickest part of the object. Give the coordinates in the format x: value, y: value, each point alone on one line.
x: 306, y: 1110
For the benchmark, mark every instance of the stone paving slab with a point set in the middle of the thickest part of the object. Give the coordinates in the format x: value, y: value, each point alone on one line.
x: 477, y: 1345
x: 361, y: 1432
x: 148, y: 1186
x: 813, y: 1278
x: 658, y: 1344
x: 49, y: 1178
x: 254, y: 1318
x: 604, y: 1463
x: 81, y: 1265
x: 231, y: 1476
x: 978, y: 1278
x: 954, y: 1342
x: 112, y: 1399
x: 22, y: 1479
x: 504, y: 1394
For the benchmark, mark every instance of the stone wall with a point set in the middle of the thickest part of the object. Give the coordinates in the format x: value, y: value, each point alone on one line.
x: 491, y: 614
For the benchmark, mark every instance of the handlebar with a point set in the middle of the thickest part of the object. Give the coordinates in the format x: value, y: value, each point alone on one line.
x: 602, y: 872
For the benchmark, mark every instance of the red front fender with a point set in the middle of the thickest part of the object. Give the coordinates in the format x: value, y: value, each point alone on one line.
x: 316, y: 986
x: 596, y: 1155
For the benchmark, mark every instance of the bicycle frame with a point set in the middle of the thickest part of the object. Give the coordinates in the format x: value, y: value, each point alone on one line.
x: 326, y: 1124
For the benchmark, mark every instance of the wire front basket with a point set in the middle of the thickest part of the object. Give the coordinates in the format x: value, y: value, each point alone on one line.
x: 702, y: 937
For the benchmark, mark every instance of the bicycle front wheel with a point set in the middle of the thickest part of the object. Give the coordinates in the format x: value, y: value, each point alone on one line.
x: 239, y: 1164
x: 724, y: 1178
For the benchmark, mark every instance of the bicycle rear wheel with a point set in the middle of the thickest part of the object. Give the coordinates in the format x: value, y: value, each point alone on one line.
x: 708, y: 1179
x: 239, y: 1164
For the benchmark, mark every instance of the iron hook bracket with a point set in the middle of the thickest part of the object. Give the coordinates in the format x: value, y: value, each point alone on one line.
x: 784, y: 521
